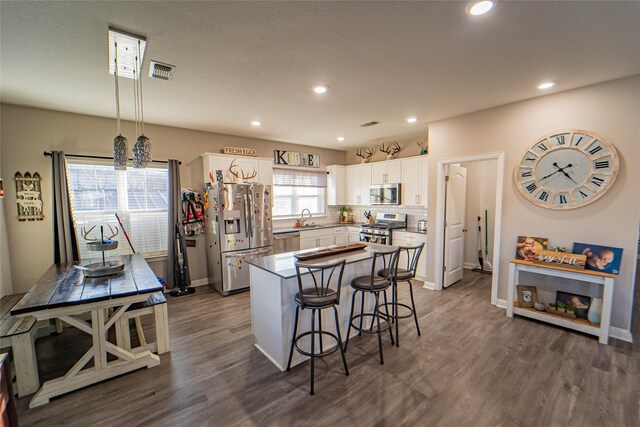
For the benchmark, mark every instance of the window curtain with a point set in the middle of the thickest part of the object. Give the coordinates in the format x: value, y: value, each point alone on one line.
x: 65, y: 241
x: 175, y: 223
x: 299, y: 178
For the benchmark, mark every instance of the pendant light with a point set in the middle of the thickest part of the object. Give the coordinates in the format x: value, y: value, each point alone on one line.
x: 142, y: 147
x: 120, y: 143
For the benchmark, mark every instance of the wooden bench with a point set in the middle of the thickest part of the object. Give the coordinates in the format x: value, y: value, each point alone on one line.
x: 155, y: 305
x: 19, y: 334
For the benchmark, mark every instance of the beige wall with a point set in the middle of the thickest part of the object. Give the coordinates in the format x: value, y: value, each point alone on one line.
x: 27, y: 132
x: 610, y: 109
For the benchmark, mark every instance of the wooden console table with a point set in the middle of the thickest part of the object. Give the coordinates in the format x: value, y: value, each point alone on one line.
x: 63, y: 293
x: 556, y: 270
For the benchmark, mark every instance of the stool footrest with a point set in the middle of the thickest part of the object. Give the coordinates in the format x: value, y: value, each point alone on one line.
x: 386, y: 310
x: 383, y: 326
x: 325, y: 353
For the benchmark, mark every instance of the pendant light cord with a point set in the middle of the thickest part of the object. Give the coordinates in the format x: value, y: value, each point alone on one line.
x: 140, y: 92
x: 115, y: 75
x: 135, y: 94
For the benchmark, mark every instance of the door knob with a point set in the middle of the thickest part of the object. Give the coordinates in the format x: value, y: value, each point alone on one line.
x: 464, y: 230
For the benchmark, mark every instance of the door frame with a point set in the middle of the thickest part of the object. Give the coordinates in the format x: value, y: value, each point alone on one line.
x: 440, y: 210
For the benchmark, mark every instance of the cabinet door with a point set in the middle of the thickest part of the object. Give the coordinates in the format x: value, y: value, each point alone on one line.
x: 378, y: 173
x: 423, y: 187
x: 394, y: 171
x: 265, y: 172
x: 326, y: 241
x: 353, y: 238
x: 351, y: 184
x: 336, y: 186
x: 308, y: 243
x: 364, y: 182
x: 410, y: 181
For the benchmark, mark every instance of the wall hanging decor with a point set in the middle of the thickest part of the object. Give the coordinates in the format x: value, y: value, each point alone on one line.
x: 366, y: 153
x: 240, y: 151
x: 245, y: 178
x: 292, y: 158
x: 29, y: 196
x: 424, y: 147
x: 392, y: 150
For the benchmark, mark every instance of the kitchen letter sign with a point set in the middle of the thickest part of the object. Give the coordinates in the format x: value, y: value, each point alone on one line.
x: 291, y: 158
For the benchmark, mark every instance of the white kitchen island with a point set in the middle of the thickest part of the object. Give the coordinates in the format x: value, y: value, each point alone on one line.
x: 273, y: 286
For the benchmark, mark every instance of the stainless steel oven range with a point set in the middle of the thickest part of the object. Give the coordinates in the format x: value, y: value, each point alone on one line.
x: 382, y: 231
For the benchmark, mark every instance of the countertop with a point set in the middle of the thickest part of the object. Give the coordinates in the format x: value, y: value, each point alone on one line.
x: 283, y: 265
x: 315, y: 227
x: 411, y: 230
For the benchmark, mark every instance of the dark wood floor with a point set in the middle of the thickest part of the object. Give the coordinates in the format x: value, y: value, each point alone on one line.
x: 471, y: 366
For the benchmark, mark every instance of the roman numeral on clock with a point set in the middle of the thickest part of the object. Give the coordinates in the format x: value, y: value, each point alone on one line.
x: 583, y: 194
x: 525, y: 174
x: 578, y: 141
x: 563, y: 199
x: 529, y: 159
x: 594, y: 150
x: 542, y: 146
x: 597, y: 181
x: 602, y: 164
x: 560, y: 140
x: 531, y: 187
x: 544, y: 196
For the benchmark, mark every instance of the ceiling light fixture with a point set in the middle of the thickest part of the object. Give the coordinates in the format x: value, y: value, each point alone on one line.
x: 320, y: 89
x: 341, y: 138
x: 412, y: 119
x: 479, y: 7
x: 142, y: 147
x: 127, y: 51
x: 546, y: 85
x: 120, y: 143
x: 256, y: 123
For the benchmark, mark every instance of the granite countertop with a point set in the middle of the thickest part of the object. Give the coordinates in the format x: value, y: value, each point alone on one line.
x: 411, y: 230
x: 315, y: 227
x: 283, y: 265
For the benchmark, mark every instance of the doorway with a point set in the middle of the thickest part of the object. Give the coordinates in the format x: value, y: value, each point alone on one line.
x: 468, y: 217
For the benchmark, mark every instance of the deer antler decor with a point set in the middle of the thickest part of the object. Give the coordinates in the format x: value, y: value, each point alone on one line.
x: 392, y: 150
x: 424, y: 147
x: 86, y: 234
x: 245, y: 178
x: 366, y: 154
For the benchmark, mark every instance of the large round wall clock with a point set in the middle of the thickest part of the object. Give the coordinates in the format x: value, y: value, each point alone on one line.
x: 567, y: 169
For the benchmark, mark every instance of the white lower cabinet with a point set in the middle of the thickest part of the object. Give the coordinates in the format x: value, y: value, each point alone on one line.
x: 405, y: 238
x: 315, y: 238
x: 353, y: 234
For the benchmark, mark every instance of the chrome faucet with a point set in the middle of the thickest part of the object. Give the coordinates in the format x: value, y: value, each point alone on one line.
x: 302, y: 215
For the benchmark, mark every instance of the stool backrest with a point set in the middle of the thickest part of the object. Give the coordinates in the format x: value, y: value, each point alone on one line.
x: 413, y: 256
x: 323, y: 276
x: 386, y: 259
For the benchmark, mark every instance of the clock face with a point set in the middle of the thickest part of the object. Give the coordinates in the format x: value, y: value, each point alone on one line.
x: 567, y: 169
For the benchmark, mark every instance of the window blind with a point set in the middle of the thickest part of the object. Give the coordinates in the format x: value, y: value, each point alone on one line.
x: 295, y: 190
x: 138, y: 196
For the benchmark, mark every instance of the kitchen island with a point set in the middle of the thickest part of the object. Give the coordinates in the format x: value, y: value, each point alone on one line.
x: 273, y: 286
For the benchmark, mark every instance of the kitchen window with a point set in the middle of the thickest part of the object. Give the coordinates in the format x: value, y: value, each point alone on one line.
x: 295, y: 190
x: 138, y: 196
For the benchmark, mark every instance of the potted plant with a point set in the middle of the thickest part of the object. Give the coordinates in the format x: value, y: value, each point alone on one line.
x: 344, y: 214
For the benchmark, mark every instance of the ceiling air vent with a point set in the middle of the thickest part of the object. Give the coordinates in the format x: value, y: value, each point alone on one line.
x: 159, y: 70
x: 366, y: 125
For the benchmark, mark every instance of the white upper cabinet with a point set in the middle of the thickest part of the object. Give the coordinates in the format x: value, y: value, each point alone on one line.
x: 336, y: 188
x: 387, y: 172
x: 414, y: 181
x: 357, y: 183
x: 261, y: 166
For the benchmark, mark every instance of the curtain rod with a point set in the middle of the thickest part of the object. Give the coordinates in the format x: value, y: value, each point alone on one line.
x: 80, y: 156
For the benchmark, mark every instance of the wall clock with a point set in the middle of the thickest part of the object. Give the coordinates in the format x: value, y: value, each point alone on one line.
x: 567, y: 169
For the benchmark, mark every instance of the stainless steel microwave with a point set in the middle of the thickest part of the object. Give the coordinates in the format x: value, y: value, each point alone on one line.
x: 384, y: 194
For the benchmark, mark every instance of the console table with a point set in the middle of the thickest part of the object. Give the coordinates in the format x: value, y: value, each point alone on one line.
x: 556, y: 270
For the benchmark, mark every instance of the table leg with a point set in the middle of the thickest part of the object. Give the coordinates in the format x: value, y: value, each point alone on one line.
x: 26, y: 365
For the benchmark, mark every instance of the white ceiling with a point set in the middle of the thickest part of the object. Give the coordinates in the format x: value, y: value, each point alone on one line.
x: 244, y: 61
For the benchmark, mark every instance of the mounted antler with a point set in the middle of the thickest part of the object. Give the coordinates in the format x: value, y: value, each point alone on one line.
x: 246, y: 178
x: 366, y: 154
x: 231, y: 171
x: 85, y: 234
x: 424, y: 147
x: 392, y: 150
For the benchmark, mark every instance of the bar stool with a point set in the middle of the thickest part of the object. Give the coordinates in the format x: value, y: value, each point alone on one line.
x: 322, y: 295
x: 385, y: 257
x: 410, y: 254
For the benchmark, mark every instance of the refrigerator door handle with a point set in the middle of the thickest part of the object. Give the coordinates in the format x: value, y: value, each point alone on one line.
x: 246, y: 215
x: 251, y: 212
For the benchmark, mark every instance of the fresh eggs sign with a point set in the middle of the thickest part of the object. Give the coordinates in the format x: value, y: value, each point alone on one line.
x: 291, y: 158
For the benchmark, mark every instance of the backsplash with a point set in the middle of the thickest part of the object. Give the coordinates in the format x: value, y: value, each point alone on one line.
x: 413, y: 215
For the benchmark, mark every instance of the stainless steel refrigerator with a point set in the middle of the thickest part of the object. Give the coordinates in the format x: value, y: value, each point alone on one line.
x: 238, y: 228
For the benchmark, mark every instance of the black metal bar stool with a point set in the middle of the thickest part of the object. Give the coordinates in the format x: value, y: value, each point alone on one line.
x: 385, y: 258
x: 323, y: 294
x: 405, y: 272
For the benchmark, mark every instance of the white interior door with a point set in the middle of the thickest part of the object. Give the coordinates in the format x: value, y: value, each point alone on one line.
x: 456, y: 193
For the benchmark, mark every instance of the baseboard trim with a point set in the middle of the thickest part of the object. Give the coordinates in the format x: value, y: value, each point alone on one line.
x: 620, y: 334
x: 470, y: 265
x: 429, y: 285
x: 199, y: 282
x: 502, y: 303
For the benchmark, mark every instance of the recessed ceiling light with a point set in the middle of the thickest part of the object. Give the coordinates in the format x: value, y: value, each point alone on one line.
x: 546, y: 85
x: 479, y: 7
x: 412, y: 119
x: 320, y: 89
x: 341, y: 138
x: 256, y: 123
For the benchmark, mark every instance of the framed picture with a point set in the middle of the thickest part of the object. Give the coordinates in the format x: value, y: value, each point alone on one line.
x: 581, y: 303
x: 527, y: 295
x: 604, y: 259
x: 528, y: 248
